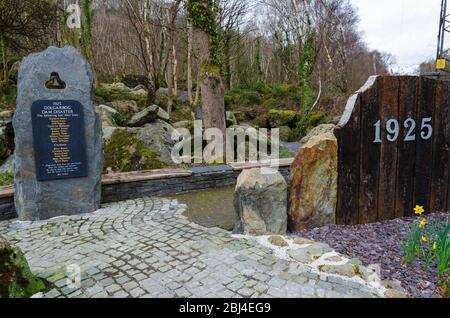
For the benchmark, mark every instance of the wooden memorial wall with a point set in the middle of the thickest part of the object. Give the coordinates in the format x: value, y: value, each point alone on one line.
x: 394, y: 149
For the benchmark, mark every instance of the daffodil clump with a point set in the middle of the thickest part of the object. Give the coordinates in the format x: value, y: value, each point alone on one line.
x: 428, y: 242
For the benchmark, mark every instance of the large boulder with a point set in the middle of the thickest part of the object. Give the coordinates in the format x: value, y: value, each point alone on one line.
x: 162, y: 114
x: 108, y: 127
x: 16, y: 278
x: 8, y: 165
x: 313, y: 192
x: 231, y: 119
x: 319, y: 130
x: 114, y: 86
x: 183, y: 124
x: 107, y: 115
x: 148, y: 115
x: 145, y: 116
x: 143, y: 148
x: 128, y: 107
x: 106, y: 110
x: 260, y: 200
x: 131, y: 81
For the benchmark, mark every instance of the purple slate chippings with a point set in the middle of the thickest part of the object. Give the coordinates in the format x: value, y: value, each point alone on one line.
x: 380, y: 243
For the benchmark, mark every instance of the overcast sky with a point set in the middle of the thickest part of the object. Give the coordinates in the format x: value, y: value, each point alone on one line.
x: 405, y: 28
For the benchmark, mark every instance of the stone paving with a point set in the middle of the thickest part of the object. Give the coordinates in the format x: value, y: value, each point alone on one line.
x: 147, y: 248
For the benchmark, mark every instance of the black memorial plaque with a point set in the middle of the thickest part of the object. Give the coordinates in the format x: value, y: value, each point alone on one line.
x: 59, y: 139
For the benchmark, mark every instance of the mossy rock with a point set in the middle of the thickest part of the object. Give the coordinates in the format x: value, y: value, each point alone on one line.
x: 278, y: 118
x: 16, y: 278
x: 124, y: 152
x: 108, y: 94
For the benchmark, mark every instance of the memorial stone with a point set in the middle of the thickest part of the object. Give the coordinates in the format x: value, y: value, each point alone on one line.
x: 58, y: 137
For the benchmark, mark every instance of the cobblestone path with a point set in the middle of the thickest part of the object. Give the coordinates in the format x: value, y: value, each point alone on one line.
x: 147, y: 248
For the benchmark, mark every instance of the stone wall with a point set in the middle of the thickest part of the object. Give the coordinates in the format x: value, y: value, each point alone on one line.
x: 202, y: 178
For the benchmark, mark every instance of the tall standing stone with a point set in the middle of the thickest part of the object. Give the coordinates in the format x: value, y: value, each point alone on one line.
x: 58, y: 137
x: 314, y: 176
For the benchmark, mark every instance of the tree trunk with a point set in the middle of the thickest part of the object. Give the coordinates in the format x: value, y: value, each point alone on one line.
x: 189, y: 64
x: 150, y: 68
x: 170, y: 68
x: 227, y: 63
x: 175, y: 71
x: 212, y: 92
x: 4, y: 79
x: 213, y: 101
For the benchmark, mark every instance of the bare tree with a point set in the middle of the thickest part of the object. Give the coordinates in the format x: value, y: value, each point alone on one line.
x: 171, y: 12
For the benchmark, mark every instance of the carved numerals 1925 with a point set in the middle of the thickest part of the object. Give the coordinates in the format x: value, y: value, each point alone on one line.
x: 410, y: 126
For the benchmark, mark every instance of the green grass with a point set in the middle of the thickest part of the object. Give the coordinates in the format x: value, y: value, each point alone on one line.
x: 6, y: 178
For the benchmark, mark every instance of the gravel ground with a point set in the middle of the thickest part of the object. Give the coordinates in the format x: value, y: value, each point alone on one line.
x: 380, y: 243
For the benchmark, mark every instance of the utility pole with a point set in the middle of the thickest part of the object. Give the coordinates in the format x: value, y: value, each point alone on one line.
x: 442, y: 62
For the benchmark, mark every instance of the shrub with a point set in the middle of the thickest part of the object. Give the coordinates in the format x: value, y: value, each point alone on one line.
x: 120, y: 119
x: 260, y: 121
x: 278, y: 118
x: 6, y: 178
x: 318, y: 118
x: 249, y: 98
x: 8, y: 98
x: 285, y: 133
x: 273, y: 103
x: 306, y: 123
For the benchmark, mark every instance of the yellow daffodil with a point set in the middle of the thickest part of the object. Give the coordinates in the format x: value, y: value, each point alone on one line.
x: 424, y: 239
x: 435, y: 246
x: 418, y: 210
x: 422, y: 223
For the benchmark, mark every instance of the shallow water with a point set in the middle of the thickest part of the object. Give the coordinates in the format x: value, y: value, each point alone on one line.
x: 210, y: 208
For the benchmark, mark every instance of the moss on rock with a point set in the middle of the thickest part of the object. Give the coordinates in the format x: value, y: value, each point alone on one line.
x: 107, y: 94
x: 16, y: 278
x: 124, y: 152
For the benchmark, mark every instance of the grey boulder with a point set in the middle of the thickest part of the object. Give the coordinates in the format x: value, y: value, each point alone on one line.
x: 260, y: 201
x: 145, y: 116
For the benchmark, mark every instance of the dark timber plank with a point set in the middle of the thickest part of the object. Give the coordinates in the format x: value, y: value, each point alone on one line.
x: 370, y: 154
x: 389, y: 87
x: 407, y: 150
x: 348, y: 136
x: 424, y: 148
x: 441, y: 150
